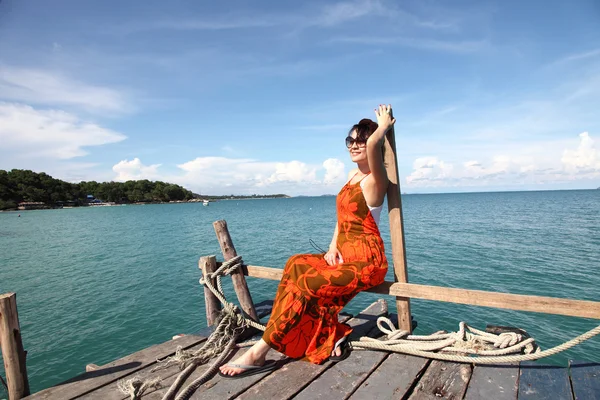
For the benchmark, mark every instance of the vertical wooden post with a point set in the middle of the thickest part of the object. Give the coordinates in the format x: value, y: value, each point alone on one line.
x: 239, y: 282
x: 397, y: 229
x: 208, y: 265
x: 12, y: 348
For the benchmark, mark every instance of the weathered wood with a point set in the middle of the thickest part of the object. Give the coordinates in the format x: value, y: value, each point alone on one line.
x: 443, y: 380
x: 541, y: 304
x: 226, y: 388
x: 91, y: 367
x: 393, y: 378
x: 90, y: 381
x: 339, y: 381
x: 239, y: 282
x: 264, y: 308
x: 498, y: 382
x: 585, y: 379
x: 11, y: 345
x: 208, y: 265
x: 342, y: 379
x: 397, y: 228
x: 299, y: 374
x: 167, y: 377
x: 541, y: 382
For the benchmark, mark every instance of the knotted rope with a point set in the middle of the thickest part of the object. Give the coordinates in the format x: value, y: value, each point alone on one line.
x: 135, y: 387
x: 221, y: 342
x: 492, y: 348
x: 488, y: 347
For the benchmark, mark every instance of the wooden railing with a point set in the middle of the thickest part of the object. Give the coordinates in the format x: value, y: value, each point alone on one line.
x: 541, y: 304
x: 519, y: 302
x: 400, y: 288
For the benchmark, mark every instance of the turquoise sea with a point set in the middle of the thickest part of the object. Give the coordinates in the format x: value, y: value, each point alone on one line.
x: 95, y: 284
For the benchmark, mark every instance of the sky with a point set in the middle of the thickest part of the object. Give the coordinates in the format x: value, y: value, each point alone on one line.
x: 245, y: 97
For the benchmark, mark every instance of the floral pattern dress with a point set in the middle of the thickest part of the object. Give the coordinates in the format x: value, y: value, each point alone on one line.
x: 304, y: 321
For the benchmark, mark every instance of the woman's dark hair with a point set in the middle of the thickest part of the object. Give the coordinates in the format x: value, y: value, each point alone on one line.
x: 364, y: 129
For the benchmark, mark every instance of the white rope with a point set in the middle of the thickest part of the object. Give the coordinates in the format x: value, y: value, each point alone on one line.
x: 489, y: 348
x: 135, y: 387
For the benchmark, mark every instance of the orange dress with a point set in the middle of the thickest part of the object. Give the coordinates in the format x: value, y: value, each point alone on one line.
x: 304, y: 320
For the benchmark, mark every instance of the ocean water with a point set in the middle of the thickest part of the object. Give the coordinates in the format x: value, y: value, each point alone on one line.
x: 95, y: 284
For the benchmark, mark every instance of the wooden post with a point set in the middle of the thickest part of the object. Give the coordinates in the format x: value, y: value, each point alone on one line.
x: 208, y: 265
x: 239, y: 282
x: 397, y: 229
x: 12, y: 348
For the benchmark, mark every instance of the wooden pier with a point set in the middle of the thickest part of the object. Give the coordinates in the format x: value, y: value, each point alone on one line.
x: 363, y: 375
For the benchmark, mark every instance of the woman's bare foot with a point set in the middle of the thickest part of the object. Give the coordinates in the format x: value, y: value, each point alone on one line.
x: 256, y: 355
x: 337, y: 351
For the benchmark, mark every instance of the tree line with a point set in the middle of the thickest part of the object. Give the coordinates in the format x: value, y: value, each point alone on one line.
x: 20, y: 185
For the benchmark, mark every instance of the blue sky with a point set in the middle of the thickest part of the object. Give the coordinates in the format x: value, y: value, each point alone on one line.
x: 257, y: 97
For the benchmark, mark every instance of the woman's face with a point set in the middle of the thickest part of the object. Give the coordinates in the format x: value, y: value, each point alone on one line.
x: 358, y: 150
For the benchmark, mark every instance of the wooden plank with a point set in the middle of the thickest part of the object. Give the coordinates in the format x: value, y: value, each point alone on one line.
x: 264, y: 308
x: 396, y: 228
x: 585, y: 379
x: 393, y: 378
x: 498, y: 382
x: 239, y: 282
x: 443, y: 380
x: 299, y: 374
x: 212, y: 304
x: 157, y: 394
x: 112, y: 392
x: 11, y: 346
x: 115, y: 370
x: 541, y: 304
x: 225, y: 388
x: 541, y: 382
x: 343, y: 378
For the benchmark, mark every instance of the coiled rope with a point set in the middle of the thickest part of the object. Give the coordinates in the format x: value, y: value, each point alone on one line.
x: 484, y: 347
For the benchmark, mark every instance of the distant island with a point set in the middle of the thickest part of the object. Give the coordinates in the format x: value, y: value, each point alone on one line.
x: 25, y: 189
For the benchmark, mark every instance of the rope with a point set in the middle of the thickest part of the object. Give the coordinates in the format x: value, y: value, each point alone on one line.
x: 135, y: 387
x: 221, y: 342
x: 489, y: 348
x: 467, y: 340
x: 191, y: 388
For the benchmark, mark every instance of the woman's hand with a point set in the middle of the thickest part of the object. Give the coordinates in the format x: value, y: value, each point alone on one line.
x: 384, y: 117
x: 333, y: 256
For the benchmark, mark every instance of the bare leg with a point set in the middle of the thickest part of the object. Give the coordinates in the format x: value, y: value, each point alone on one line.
x: 254, y: 356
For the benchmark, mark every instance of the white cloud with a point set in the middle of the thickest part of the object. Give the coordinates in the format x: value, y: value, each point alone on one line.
x: 36, y: 86
x: 217, y: 172
x: 222, y: 175
x: 27, y: 132
x: 584, y: 159
x: 337, y: 13
x: 293, y: 171
x: 429, y: 169
x: 134, y: 169
x: 334, y: 170
x: 324, y: 15
x: 519, y: 168
x: 577, y: 57
x: 443, y: 45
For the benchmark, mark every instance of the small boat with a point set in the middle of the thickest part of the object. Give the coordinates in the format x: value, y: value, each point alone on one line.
x: 205, y: 202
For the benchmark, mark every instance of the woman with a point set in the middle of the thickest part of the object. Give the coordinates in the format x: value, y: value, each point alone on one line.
x: 315, y: 288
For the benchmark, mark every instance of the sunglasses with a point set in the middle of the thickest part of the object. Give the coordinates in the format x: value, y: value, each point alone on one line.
x: 350, y: 142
